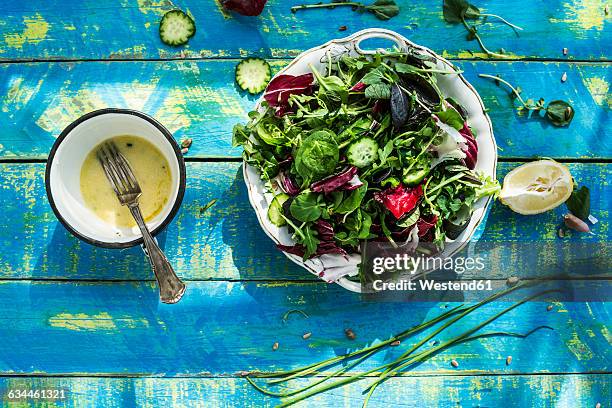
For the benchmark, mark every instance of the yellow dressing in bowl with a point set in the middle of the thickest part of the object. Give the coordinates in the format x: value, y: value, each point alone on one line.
x: 151, y: 170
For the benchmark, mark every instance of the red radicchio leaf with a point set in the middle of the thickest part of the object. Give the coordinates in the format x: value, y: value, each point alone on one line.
x: 400, y: 200
x: 359, y: 87
x: 424, y: 224
x: 298, y: 250
x: 330, y: 247
x: 471, y: 153
x: 287, y: 184
x: 245, y: 7
x: 325, y: 231
x: 341, y: 181
x: 283, y: 86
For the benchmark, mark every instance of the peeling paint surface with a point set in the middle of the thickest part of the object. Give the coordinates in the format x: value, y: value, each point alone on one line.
x: 60, y: 295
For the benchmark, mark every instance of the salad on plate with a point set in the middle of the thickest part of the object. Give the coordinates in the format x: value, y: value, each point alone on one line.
x: 369, y: 149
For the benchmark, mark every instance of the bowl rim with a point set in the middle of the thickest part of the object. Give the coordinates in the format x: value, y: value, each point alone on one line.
x: 393, y: 36
x: 177, y: 152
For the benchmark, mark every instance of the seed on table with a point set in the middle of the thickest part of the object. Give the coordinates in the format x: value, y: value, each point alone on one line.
x: 275, y: 346
x: 549, y: 308
x: 561, y: 232
x: 350, y: 334
x: 564, y: 77
x: 454, y: 363
x: 184, y: 150
x: 395, y: 343
x: 511, y: 281
x: 186, y: 143
x: 564, y: 51
x: 508, y: 360
x: 342, y: 28
x: 306, y: 336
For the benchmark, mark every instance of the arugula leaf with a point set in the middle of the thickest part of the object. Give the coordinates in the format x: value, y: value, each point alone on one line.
x: 579, y: 203
x: 454, y: 11
x: 366, y: 224
x: 310, y: 242
x: 305, y: 207
x: 378, y: 91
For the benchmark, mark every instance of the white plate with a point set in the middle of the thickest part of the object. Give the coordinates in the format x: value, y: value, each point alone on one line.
x: 336, y: 268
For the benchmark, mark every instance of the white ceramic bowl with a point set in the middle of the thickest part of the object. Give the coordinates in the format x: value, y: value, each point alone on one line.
x: 336, y: 268
x: 62, y: 177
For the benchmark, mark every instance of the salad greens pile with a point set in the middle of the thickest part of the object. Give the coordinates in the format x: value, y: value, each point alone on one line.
x: 370, y: 149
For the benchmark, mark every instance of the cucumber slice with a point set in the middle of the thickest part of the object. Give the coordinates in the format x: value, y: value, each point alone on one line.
x: 176, y: 28
x: 253, y: 75
x: 276, y: 209
x: 363, y: 152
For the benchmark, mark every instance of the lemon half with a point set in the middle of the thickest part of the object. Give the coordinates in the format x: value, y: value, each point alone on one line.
x: 536, y: 187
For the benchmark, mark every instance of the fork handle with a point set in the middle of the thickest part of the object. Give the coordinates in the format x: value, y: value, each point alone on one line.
x: 171, y: 288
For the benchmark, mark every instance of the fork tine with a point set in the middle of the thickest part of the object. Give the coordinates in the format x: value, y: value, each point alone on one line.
x: 109, y: 175
x: 124, y: 166
x: 122, y: 186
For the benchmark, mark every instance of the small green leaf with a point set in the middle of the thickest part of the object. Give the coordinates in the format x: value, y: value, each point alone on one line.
x: 454, y: 11
x: 305, y: 207
x: 410, y: 220
x: 310, y: 242
x: 378, y: 91
x: 579, y: 203
x: 451, y: 117
x: 353, y: 201
x: 560, y: 113
x: 384, y: 9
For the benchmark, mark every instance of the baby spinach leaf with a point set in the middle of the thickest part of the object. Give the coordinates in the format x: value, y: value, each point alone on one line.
x: 579, y: 203
x: 384, y: 9
x: 317, y: 156
x: 375, y: 76
x: 454, y: 11
x: 305, y: 207
x: 378, y: 91
x: 352, y: 202
x: 451, y: 117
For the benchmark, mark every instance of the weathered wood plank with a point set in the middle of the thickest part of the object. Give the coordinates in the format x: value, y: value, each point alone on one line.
x: 573, y: 390
x: 221, y: 328
x: 226, y: 242
x: 201, y: 101
x: 129, y: 29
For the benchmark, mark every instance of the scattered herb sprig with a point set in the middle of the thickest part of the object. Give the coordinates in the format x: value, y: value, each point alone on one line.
x: 459, y: 11
x: 382, y: 9
x: 405, y: 361
x: 558, y: 112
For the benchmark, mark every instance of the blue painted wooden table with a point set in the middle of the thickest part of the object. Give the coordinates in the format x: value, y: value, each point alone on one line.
x: 88, y: 320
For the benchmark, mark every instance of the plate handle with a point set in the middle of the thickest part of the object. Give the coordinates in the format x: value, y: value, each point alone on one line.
x: 361, y: 36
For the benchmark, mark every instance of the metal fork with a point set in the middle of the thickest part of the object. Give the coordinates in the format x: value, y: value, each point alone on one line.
x: 123, y: 181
